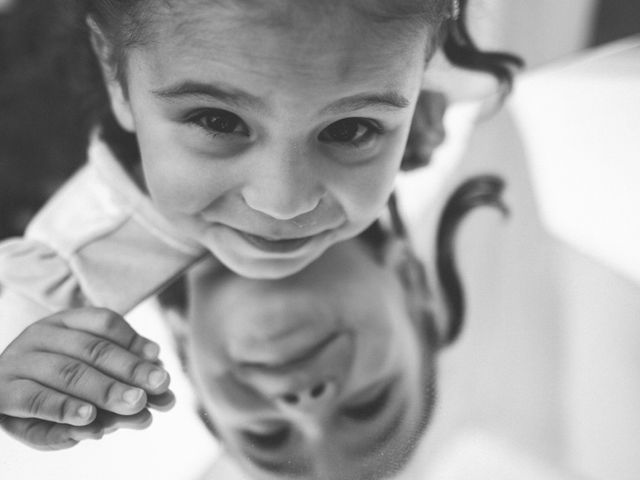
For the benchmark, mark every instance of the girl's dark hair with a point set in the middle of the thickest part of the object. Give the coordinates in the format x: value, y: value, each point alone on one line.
x: 462, y: 51
x: 483, y: 190
x: 477, y: 191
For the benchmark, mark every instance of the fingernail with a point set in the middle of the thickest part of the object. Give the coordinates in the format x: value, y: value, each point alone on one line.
x: 85, y: 411
x: 157, y: 378
x: 132, y: 396
x: 87, y: 435
x: 151, y: 351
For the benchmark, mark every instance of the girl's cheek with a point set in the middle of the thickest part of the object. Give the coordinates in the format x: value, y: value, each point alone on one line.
x: 364, y: 198
x: 177, y: 186
x: 177, y: 178
x: 369, y: 188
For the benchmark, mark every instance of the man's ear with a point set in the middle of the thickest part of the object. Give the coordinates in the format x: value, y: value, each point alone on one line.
x: 422, y: 304
x: 119, y: 100
x: 427, y: 129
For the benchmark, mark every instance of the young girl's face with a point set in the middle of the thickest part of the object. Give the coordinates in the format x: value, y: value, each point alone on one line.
x: 270, y: 135
x: 318, y: 375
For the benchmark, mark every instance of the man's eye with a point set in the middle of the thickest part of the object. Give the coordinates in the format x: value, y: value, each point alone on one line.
x: 353, y: 131
x: 271, y: 440
x: 220, y: 122
x: 371, y: 408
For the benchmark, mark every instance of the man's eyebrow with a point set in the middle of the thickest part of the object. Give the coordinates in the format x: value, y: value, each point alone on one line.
x: 384, y: 436
x: 221, y: 92
x: 285, y: 469
x: 387, y: 100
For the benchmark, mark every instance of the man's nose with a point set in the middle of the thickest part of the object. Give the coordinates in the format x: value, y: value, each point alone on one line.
x: 308, y: 382
x: 314, y: 397
x: 283, y: 186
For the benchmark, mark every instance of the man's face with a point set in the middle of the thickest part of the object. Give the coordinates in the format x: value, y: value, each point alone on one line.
x: 320, y: 375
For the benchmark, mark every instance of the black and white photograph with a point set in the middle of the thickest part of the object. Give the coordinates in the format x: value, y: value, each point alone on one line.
x: 319, y: 239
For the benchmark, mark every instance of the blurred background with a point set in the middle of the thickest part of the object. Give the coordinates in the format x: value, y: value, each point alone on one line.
x: 544, y: 383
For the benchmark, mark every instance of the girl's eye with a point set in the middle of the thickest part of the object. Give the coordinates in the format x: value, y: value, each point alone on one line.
x: 354, y: 131
x: 220, y: 122
x: 369, y: 409
x: 268, y: 440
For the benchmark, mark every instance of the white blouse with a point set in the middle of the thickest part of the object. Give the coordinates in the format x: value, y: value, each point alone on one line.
x: 98, y: 242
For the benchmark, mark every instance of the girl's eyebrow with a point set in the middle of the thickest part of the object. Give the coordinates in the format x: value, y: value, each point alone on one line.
x: 217, y: 91
x: 239, y: 98
x: 385, y: 100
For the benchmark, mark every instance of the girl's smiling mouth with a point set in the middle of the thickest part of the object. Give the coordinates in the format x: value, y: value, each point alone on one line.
x: 287, y: 245
x: 284, y: 245
x: 276, y: 241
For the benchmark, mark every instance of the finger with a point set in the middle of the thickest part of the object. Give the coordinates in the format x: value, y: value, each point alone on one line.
x: 163, y: 402
x: 109, y: 325
x: 28, y: 399
x: 104, y: 355
x: 82, y: 381
x: 44, y: 435
x: 110, y: 422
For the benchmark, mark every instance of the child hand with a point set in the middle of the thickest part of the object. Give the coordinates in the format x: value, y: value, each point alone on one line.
x: 78, y: 374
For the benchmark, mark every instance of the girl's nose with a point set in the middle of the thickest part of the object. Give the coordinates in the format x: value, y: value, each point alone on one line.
x: 283, y: 188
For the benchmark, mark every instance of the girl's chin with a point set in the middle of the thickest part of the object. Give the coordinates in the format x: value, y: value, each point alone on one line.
x: 266, y: 269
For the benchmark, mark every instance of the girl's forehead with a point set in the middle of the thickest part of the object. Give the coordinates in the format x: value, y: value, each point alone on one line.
x: 281, y: 11
x: 395, y: 22
x: 302, y: 41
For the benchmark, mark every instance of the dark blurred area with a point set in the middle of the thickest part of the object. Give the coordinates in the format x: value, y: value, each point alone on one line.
x: 43, y: 126
x: 615, y: 20
x: 42, y: 131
